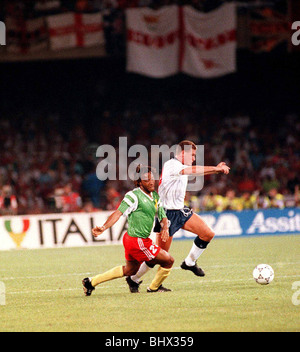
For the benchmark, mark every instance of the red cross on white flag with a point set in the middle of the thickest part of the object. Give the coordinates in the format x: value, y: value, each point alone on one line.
x: 71, y: 30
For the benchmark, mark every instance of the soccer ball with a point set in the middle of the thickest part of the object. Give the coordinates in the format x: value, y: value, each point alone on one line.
x: 263, y: 274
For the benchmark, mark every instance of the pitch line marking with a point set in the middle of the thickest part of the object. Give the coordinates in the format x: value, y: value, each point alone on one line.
x: 90, y: 273
x: 79, y: 288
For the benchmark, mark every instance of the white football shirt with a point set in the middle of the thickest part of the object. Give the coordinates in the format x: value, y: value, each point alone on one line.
x: 172, y: 185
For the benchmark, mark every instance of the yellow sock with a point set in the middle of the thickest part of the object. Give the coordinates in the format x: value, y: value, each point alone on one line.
x: 161, y: 275
x: 111, y: 274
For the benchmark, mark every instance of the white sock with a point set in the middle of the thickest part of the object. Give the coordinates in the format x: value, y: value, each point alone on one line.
x: 144, y: 268
x: 194, y: 254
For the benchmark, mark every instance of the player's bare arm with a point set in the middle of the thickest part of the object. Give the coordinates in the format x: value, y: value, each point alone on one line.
x: 112, y: 219
x: 198, y: 170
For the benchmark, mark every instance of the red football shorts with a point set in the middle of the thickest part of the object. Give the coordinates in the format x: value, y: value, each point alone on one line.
x: 139, y: 249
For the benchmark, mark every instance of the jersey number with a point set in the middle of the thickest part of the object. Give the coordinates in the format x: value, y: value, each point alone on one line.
x: 153, y: 249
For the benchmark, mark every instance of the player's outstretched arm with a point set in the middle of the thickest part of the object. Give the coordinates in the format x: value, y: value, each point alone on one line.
x: 112, y: 219
x: 198, y: 170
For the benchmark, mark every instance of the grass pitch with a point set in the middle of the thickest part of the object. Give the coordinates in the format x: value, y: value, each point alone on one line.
x: 43, y: 290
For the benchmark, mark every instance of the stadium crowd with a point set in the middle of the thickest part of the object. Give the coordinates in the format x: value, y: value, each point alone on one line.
x: 45, y: 167
x: 48, y: 159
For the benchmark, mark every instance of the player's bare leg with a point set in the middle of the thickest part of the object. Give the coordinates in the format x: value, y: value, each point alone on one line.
x: 166, y: 262
x: 135, y: 280
x: 164, y: 245
x: 196, y: 225
x: 204, y: 235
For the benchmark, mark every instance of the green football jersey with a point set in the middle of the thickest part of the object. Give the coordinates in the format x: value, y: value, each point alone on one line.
x: 140, y: 209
